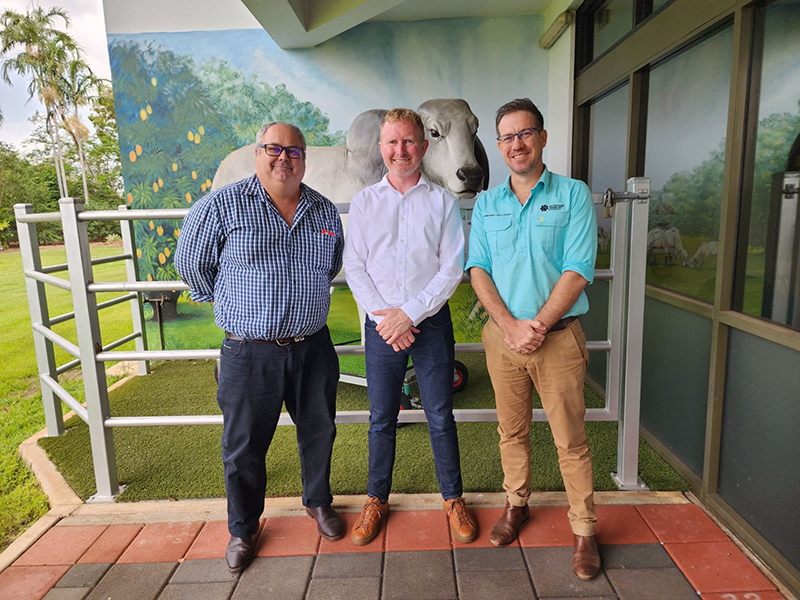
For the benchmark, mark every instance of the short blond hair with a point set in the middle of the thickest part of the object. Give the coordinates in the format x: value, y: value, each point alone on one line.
x: 404, y: 114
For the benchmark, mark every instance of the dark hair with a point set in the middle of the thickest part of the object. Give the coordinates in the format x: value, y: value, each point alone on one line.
x: 520, y: 104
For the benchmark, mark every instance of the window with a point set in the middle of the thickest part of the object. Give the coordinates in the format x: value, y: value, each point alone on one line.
x: 768, y: 265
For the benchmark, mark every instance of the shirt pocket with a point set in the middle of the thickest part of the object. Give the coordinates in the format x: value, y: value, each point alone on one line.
x: 320, y: 256
x: 500, y: 237
x: 549, y: 237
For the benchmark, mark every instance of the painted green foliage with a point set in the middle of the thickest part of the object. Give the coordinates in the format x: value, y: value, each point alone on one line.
x: 176, y: 122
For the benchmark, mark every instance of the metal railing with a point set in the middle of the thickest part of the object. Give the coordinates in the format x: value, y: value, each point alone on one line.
x: 624, y: 343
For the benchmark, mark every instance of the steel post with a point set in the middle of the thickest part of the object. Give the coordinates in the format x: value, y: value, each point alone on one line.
x: 132, y: 271
x: 627, y: 475
x: 87, y: 324
x: 37, y: 303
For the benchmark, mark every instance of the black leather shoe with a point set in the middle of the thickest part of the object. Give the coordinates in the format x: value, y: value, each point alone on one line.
x: 329, y: 523
x: 240, y: 552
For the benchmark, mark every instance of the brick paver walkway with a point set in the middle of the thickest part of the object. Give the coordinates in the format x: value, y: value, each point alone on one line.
x: 663, y: 552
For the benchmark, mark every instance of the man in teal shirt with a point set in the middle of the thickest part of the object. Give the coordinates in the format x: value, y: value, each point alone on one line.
x: 532, y: 250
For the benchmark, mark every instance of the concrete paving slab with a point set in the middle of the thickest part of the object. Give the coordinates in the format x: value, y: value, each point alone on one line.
x: 161, y: 542
x: 111, y: 544
x: 210, y: 570
x: 363, y: 588
x: 30, y: 582
x: 84, y: 575
x: 419, y: 576
x: 348, y: 566
x: 198, y: 591
x: 61, y: 546
x: 284, y: 577
x: 74, y: 593
x: 635, y: 556
x: 475, y: 585
x: 136, y: 581
x: 489, y: 559
x: 551, y: 571
x: 651, y: 584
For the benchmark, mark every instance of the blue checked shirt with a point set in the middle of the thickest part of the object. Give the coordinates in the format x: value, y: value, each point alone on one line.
x: 267, y: 280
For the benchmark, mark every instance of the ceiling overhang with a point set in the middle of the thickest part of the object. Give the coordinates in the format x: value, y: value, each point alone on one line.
x: 307, y: 23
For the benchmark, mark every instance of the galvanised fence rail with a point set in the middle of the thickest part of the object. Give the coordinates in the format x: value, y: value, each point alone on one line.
x: 624, y: 342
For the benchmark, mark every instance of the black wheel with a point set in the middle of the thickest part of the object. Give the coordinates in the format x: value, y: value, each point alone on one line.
x: 460, y: 376
x: 405, y: 404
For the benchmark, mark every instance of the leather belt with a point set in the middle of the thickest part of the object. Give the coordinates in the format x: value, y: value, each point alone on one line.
x: 562, y: 324
x: 280, y: 342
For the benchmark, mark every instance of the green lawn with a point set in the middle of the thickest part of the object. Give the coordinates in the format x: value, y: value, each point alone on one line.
x: 185, y: 462
x: 21, y: 415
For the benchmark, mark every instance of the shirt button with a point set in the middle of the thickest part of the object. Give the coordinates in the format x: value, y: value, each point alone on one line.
x: 401, y: 262
x: 402, y: 241
x: 541, y: 219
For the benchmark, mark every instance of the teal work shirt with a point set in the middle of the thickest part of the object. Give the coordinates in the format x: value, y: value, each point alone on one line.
x: 526, y: 248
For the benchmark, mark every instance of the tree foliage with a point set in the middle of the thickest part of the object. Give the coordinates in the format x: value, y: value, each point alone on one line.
x: 176, y: 123
x: 691, y: 201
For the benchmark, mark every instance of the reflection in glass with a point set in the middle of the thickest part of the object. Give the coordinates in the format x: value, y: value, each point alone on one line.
x: 685, y: 158
x: 607, y: 147
x: 612, y: 21
x: 772, y: 282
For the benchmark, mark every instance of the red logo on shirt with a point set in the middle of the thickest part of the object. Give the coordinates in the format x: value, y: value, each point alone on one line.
x: 327, y: 232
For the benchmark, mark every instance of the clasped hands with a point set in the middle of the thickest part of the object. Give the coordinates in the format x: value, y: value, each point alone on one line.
x: 524, y: 336
x: 397, y: 329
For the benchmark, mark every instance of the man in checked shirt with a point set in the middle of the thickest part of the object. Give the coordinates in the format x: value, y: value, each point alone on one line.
x: 403, y: 259
x: 264, y: 250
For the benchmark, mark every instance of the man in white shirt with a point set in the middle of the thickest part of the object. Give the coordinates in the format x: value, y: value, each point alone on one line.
x: 403, y: 259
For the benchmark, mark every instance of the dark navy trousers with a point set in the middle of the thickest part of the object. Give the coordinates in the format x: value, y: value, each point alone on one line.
x: 256, y: 380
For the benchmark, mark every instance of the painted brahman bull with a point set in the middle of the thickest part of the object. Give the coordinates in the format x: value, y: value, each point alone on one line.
x: 455, y: 159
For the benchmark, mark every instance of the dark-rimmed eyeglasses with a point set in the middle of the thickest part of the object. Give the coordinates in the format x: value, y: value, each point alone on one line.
x: 522, y: 135
x: 276, y: 150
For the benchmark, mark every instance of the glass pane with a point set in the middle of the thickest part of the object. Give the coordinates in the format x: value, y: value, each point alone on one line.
x: 607, y: 147
x: 685, y: 158
x: 772, y: 283
x: 612, y: 21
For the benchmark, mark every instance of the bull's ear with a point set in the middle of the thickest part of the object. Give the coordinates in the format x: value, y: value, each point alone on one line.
x: 483, y: 161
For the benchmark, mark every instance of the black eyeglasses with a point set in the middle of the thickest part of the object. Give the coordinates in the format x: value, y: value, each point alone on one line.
x: 276, y: 150
x: 522, y: 135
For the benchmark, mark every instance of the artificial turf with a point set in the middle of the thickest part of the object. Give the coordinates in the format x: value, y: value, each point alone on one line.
x: 157, y: 463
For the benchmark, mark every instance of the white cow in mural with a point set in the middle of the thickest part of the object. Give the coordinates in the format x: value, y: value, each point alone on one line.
x: 705, y: 250
x: 455, y: 159
x: 666, y: 243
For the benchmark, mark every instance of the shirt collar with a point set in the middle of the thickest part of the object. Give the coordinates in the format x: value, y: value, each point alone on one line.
x: 544, y: 181
x: 384, y: 183
x: 253, y: 187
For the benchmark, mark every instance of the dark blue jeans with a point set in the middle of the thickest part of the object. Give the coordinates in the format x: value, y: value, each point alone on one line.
x: 433, y: 354
x: 256, y: 379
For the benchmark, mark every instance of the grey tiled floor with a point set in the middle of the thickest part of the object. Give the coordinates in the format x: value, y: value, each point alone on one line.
x: 634, y: 572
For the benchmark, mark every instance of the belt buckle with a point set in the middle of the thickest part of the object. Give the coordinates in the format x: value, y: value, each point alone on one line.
x: 299, y: 338
x: 282, y: 344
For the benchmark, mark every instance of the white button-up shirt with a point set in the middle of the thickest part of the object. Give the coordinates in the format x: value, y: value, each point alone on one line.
x: 404, y: 250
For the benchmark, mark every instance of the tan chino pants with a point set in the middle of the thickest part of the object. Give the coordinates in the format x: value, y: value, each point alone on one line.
x: 557, y: 369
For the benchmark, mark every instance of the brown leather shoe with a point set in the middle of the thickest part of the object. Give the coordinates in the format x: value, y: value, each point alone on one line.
x: 505, y: 530
x: 585, y: 556
x: 462, y: 522
x: 240, y: 552
x: 368, y: 525
x: 329, y: 523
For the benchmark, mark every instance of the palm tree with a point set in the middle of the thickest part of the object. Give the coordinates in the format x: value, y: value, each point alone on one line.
x: 42, y: 53
x: 77, y: 86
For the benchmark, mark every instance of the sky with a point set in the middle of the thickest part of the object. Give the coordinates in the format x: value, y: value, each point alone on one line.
x: 87, y: 27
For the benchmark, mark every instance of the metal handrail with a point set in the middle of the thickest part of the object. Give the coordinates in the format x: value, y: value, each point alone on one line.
x: 133, y: 215
x: 44, y: 278
x: 58, y: 340
x: 113, y: 302
x: 51, y: 217
x: 65, y: 396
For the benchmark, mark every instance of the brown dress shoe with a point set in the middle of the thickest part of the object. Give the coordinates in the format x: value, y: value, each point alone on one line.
x: 585, y: 556
x: 368, y: 525
x: 462, y: 522
x: 505, y: 530
x: 329, y: 524
x: 240, y: 552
